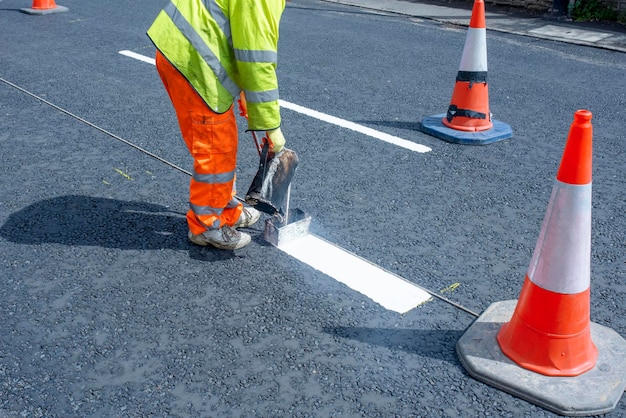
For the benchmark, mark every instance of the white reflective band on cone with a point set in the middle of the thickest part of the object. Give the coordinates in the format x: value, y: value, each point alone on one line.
x: 474, y: 56
x: 562, y: 259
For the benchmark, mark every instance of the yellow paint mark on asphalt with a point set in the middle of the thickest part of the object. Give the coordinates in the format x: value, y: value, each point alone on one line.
x: 126, y: 176
x: 106, y: 182
x: 450, y: 288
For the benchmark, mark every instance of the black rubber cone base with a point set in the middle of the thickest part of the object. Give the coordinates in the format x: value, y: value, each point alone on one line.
x: 433, y: 125
x: 595, y: 392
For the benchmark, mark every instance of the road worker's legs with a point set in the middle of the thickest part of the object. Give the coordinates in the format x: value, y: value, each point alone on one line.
x: 212, y: 141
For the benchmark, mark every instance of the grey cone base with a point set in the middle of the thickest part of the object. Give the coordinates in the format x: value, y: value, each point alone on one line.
x: 595, y: 392
x: 58, y: 9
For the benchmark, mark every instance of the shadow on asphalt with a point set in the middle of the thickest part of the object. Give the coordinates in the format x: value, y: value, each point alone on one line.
x: 429, y: 343
x: 109, y: 223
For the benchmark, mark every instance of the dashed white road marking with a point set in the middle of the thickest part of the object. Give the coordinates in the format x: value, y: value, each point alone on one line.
x: 139, y: 57
x: 356, y: 127
x: 383, y: 287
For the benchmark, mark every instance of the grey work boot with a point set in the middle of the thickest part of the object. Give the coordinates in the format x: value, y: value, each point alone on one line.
x: 249, y: 216
x: 224, y: 238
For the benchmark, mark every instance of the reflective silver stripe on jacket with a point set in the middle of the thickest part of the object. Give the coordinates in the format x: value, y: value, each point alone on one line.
x: 262, y: 96
x: 219, y: 18
x: 209, y: 57
x: 258, y: 56
x: 245, y: 55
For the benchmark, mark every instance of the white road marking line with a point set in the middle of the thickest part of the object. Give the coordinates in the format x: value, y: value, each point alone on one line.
x: 356, y: 127
x: 385, y: 288
x: 139, y: 57
x: 412, y: 146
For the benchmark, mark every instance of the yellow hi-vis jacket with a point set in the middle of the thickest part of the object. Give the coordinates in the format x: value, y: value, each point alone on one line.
x: 223, y: 47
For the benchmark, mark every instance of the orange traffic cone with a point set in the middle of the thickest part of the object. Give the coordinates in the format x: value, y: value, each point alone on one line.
x: 469, y: 107
x: 42, y: 7
x: 468, y: 120
x: 549, y: 332
x: 540, y: 347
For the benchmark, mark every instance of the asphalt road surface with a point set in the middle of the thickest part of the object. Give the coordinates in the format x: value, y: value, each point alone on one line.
x: 107, y: 310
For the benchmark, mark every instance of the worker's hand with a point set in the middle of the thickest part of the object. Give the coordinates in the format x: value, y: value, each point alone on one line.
x: 243, y: 106
x: 276, y: 139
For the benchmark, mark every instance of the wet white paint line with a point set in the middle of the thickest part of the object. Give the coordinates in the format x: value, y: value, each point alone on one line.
x: 412, y: 146
x: 383, y: 287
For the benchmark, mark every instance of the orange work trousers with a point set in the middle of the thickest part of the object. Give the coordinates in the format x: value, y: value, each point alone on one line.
x: 212, y: 140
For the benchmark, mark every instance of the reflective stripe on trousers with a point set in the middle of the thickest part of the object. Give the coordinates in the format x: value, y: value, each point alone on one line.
x: 212, y: 141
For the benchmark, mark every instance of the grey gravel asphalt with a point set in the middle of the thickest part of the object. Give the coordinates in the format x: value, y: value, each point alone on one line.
x: 106, y: 309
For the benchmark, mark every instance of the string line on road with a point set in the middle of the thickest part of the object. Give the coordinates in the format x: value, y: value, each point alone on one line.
x: 383, y: 287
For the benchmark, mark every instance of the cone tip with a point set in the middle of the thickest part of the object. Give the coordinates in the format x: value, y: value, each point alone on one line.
x: 477, y: 20
x: 582, y: 116
x: 576, y: 163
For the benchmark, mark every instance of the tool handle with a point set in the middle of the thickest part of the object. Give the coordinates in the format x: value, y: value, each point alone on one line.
x: 259, y: 145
